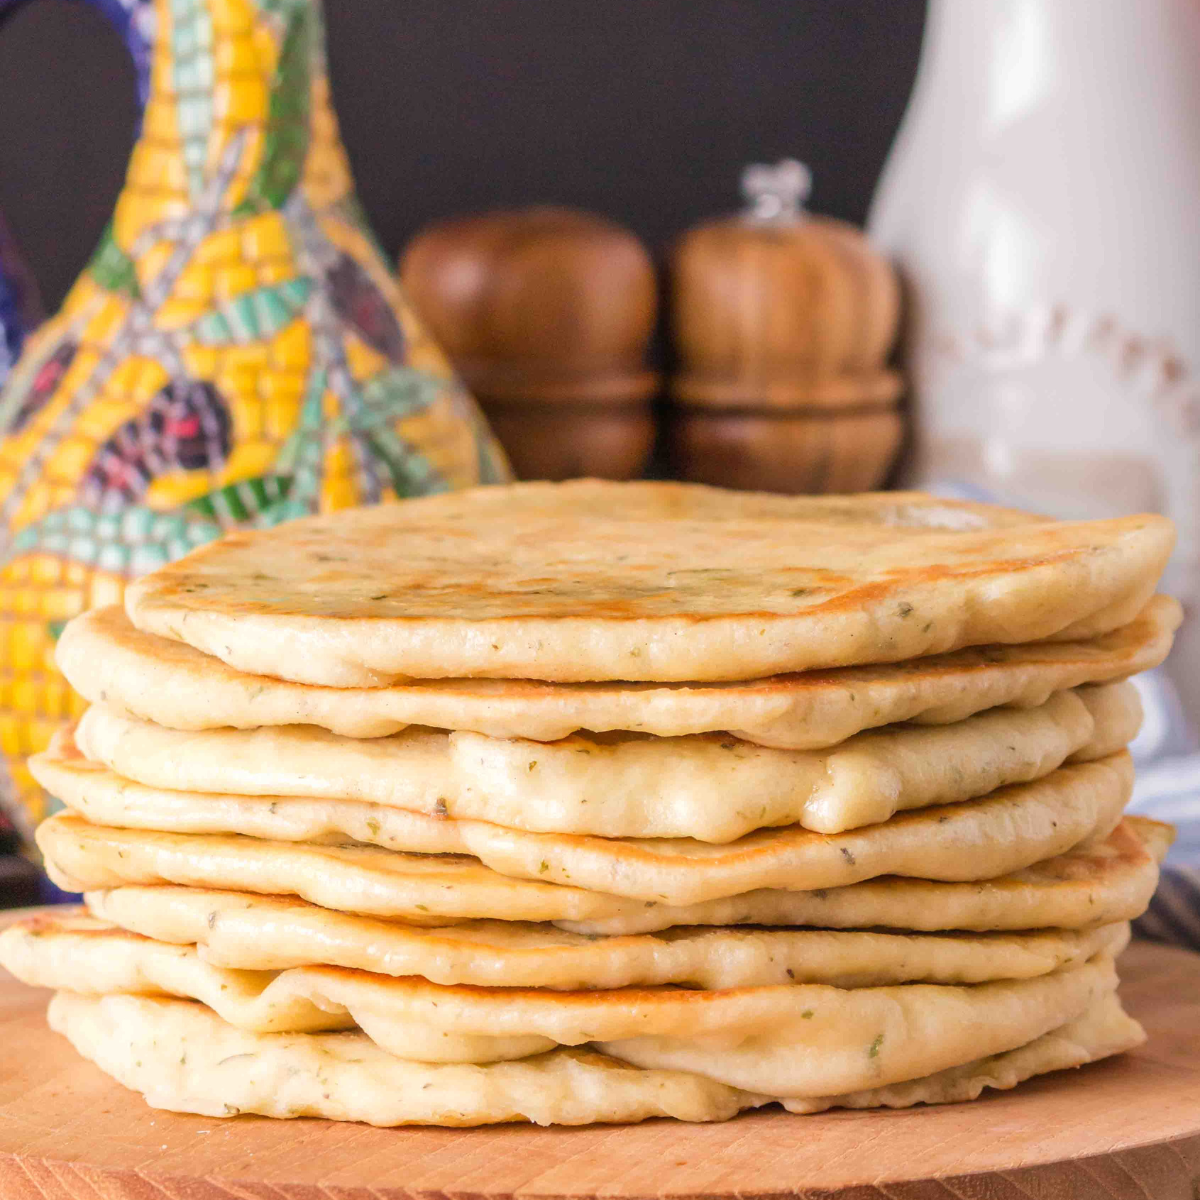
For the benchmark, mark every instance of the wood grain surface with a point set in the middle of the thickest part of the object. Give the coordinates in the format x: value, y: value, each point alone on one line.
x: 1128, y: 1128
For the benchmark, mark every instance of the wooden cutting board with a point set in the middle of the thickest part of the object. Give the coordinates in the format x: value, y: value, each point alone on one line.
x: 1127, y: 1128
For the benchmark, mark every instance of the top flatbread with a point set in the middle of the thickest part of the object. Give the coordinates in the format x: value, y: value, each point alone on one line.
x: 643, y: 581
x: 156, y: 679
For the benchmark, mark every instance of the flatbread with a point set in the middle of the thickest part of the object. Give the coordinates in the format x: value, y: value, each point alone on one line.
x: 183, y: 1058
x: 421, y: 889
x: 1103, y: 1030
x: 871, y: 1037
x: 591, y: 580
x: 110, y: 662
x: 273, y: 933
x: 712, y: 787
x: 1111, y: 881
x: 858, y: 1037
x: 1011, y: 828
x: 219, y: 1071
x: 73, y: 951
x: 1108, y: 881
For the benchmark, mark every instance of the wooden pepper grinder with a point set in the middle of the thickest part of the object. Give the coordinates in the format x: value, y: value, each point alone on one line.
x: 546, y: 313
x: 782, y: 323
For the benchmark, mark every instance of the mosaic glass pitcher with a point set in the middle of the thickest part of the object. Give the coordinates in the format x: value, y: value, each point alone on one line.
x: 236, y: 353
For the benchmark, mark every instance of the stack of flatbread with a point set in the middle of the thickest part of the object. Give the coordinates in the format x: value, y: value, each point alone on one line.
x: 599, y: 802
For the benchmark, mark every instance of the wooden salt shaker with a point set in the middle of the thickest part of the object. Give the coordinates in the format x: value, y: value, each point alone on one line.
x: 546, y: 313
x: 783, y: 322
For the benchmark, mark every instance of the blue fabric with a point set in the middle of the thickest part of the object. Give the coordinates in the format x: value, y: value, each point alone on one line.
x: 12, y: 329
x: 1168, y: 789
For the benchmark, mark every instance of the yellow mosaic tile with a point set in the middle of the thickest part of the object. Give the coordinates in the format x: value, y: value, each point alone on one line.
x: 74, y: 574
x: 82, y: 367
x: 176, y: 313
x: 362, y: 360
x: 249, y: 460
x: 292, y: 348
x: 338, y: 487
x: 159, y: 124
x: 232, y: 280
x: 152, y: 376
x: 25, y: 694
x: 12, y: 733
x: 265, y: 237
x: 231, y: 19
x: 220, y: 248
x: 202, y: 362
x: 280, y: 414
x: 249, y: 360
x: 169, y: 491
x: 195, y: 283
x: 110, y: 316
x: 73, y: 456
x: 39, y: 731
x: 105, y: 589
x: 150, y: 264
x: 36, y: 504
x: 61, y: 604
x: 248, y: 417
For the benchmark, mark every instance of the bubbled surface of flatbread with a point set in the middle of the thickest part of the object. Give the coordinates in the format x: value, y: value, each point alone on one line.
x: 250, y: 932
x: 590, y: 580
x: 712, y: 787
x: 110, y: 662
x: 1011, y: 828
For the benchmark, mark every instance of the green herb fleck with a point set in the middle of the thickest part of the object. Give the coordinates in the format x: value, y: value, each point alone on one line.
x: 874, y: 1050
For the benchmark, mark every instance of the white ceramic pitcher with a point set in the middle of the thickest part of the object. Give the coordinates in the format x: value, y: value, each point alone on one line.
x: 1042, y: 201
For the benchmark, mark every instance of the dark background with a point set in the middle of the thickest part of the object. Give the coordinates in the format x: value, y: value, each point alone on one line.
x: 644, y: 110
